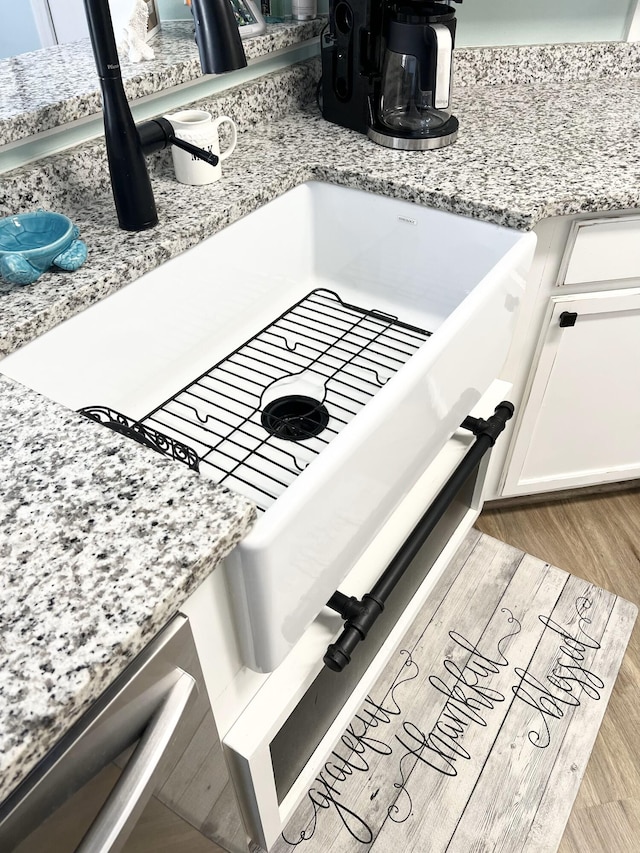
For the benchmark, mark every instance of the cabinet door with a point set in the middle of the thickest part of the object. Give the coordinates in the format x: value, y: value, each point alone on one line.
x: 581, y: 423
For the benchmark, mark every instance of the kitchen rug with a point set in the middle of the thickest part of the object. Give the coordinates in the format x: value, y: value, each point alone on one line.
x: 477, y: 734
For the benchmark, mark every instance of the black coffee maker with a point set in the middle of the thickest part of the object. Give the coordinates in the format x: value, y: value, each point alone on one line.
x: 386, y: 71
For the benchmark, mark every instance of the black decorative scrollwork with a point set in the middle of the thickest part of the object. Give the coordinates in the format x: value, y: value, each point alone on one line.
x: 145, y: 435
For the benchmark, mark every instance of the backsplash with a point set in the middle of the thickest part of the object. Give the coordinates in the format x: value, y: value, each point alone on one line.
x: 65, y: 179
x: 546, y: 63
x: 48, y: 88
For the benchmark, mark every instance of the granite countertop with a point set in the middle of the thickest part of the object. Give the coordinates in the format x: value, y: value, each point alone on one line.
x: 525, y: 152
x: 100, y: 538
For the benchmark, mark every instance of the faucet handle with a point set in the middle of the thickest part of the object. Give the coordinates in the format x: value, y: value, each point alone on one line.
x: 207, y: 156
x: 159, y: 133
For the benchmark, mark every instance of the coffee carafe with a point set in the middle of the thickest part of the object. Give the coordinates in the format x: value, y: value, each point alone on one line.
x: 413, y: 111
x: 386, y: 70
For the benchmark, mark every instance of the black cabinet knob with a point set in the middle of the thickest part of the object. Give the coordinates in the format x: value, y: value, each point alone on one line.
x: 568, y: 318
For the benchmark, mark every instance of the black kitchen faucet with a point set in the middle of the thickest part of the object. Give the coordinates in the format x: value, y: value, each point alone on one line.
x: 220, y: 48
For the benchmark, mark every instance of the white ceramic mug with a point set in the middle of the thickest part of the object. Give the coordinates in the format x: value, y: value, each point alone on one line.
x: 199, y: 128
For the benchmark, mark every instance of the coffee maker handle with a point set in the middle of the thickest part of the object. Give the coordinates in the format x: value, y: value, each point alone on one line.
x: 444, y: 59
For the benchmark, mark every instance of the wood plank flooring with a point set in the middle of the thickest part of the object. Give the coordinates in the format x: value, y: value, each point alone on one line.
x: 596, y: 537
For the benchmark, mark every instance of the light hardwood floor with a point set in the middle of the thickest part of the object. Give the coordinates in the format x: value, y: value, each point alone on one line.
x: 597, y: 538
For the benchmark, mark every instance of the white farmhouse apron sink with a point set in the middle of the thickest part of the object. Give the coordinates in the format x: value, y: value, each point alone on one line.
x: 141, y: 350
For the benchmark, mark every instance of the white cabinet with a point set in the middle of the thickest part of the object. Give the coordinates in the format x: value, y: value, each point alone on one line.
x: 576, y: 389
x: 602, y: 250
x: 581, y: 421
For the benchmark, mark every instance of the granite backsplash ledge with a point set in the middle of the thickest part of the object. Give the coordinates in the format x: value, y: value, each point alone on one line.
x: 65, y: 180
x: 546, y: 63
x: 51, y: 87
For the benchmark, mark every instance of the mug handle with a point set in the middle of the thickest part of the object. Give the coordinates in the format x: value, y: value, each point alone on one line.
x: 234, y: 135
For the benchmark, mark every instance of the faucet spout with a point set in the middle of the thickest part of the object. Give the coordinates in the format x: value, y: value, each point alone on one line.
x: 132, y: 192
x: 220, y: 48
x: 217, y: 36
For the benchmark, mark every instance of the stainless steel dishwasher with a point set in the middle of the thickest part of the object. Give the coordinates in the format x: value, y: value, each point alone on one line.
x: 153, y: 721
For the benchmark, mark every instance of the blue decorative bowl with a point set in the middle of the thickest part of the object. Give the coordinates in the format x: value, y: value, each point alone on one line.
x: 30, y: 243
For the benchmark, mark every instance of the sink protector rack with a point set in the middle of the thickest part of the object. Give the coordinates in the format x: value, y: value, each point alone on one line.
x: 258, y: 417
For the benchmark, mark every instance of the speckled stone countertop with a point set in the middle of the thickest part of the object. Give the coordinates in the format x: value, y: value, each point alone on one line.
x: 56, y: 85
x: 51, y: 87
x: 94, y: 557
x: 525, y: 152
